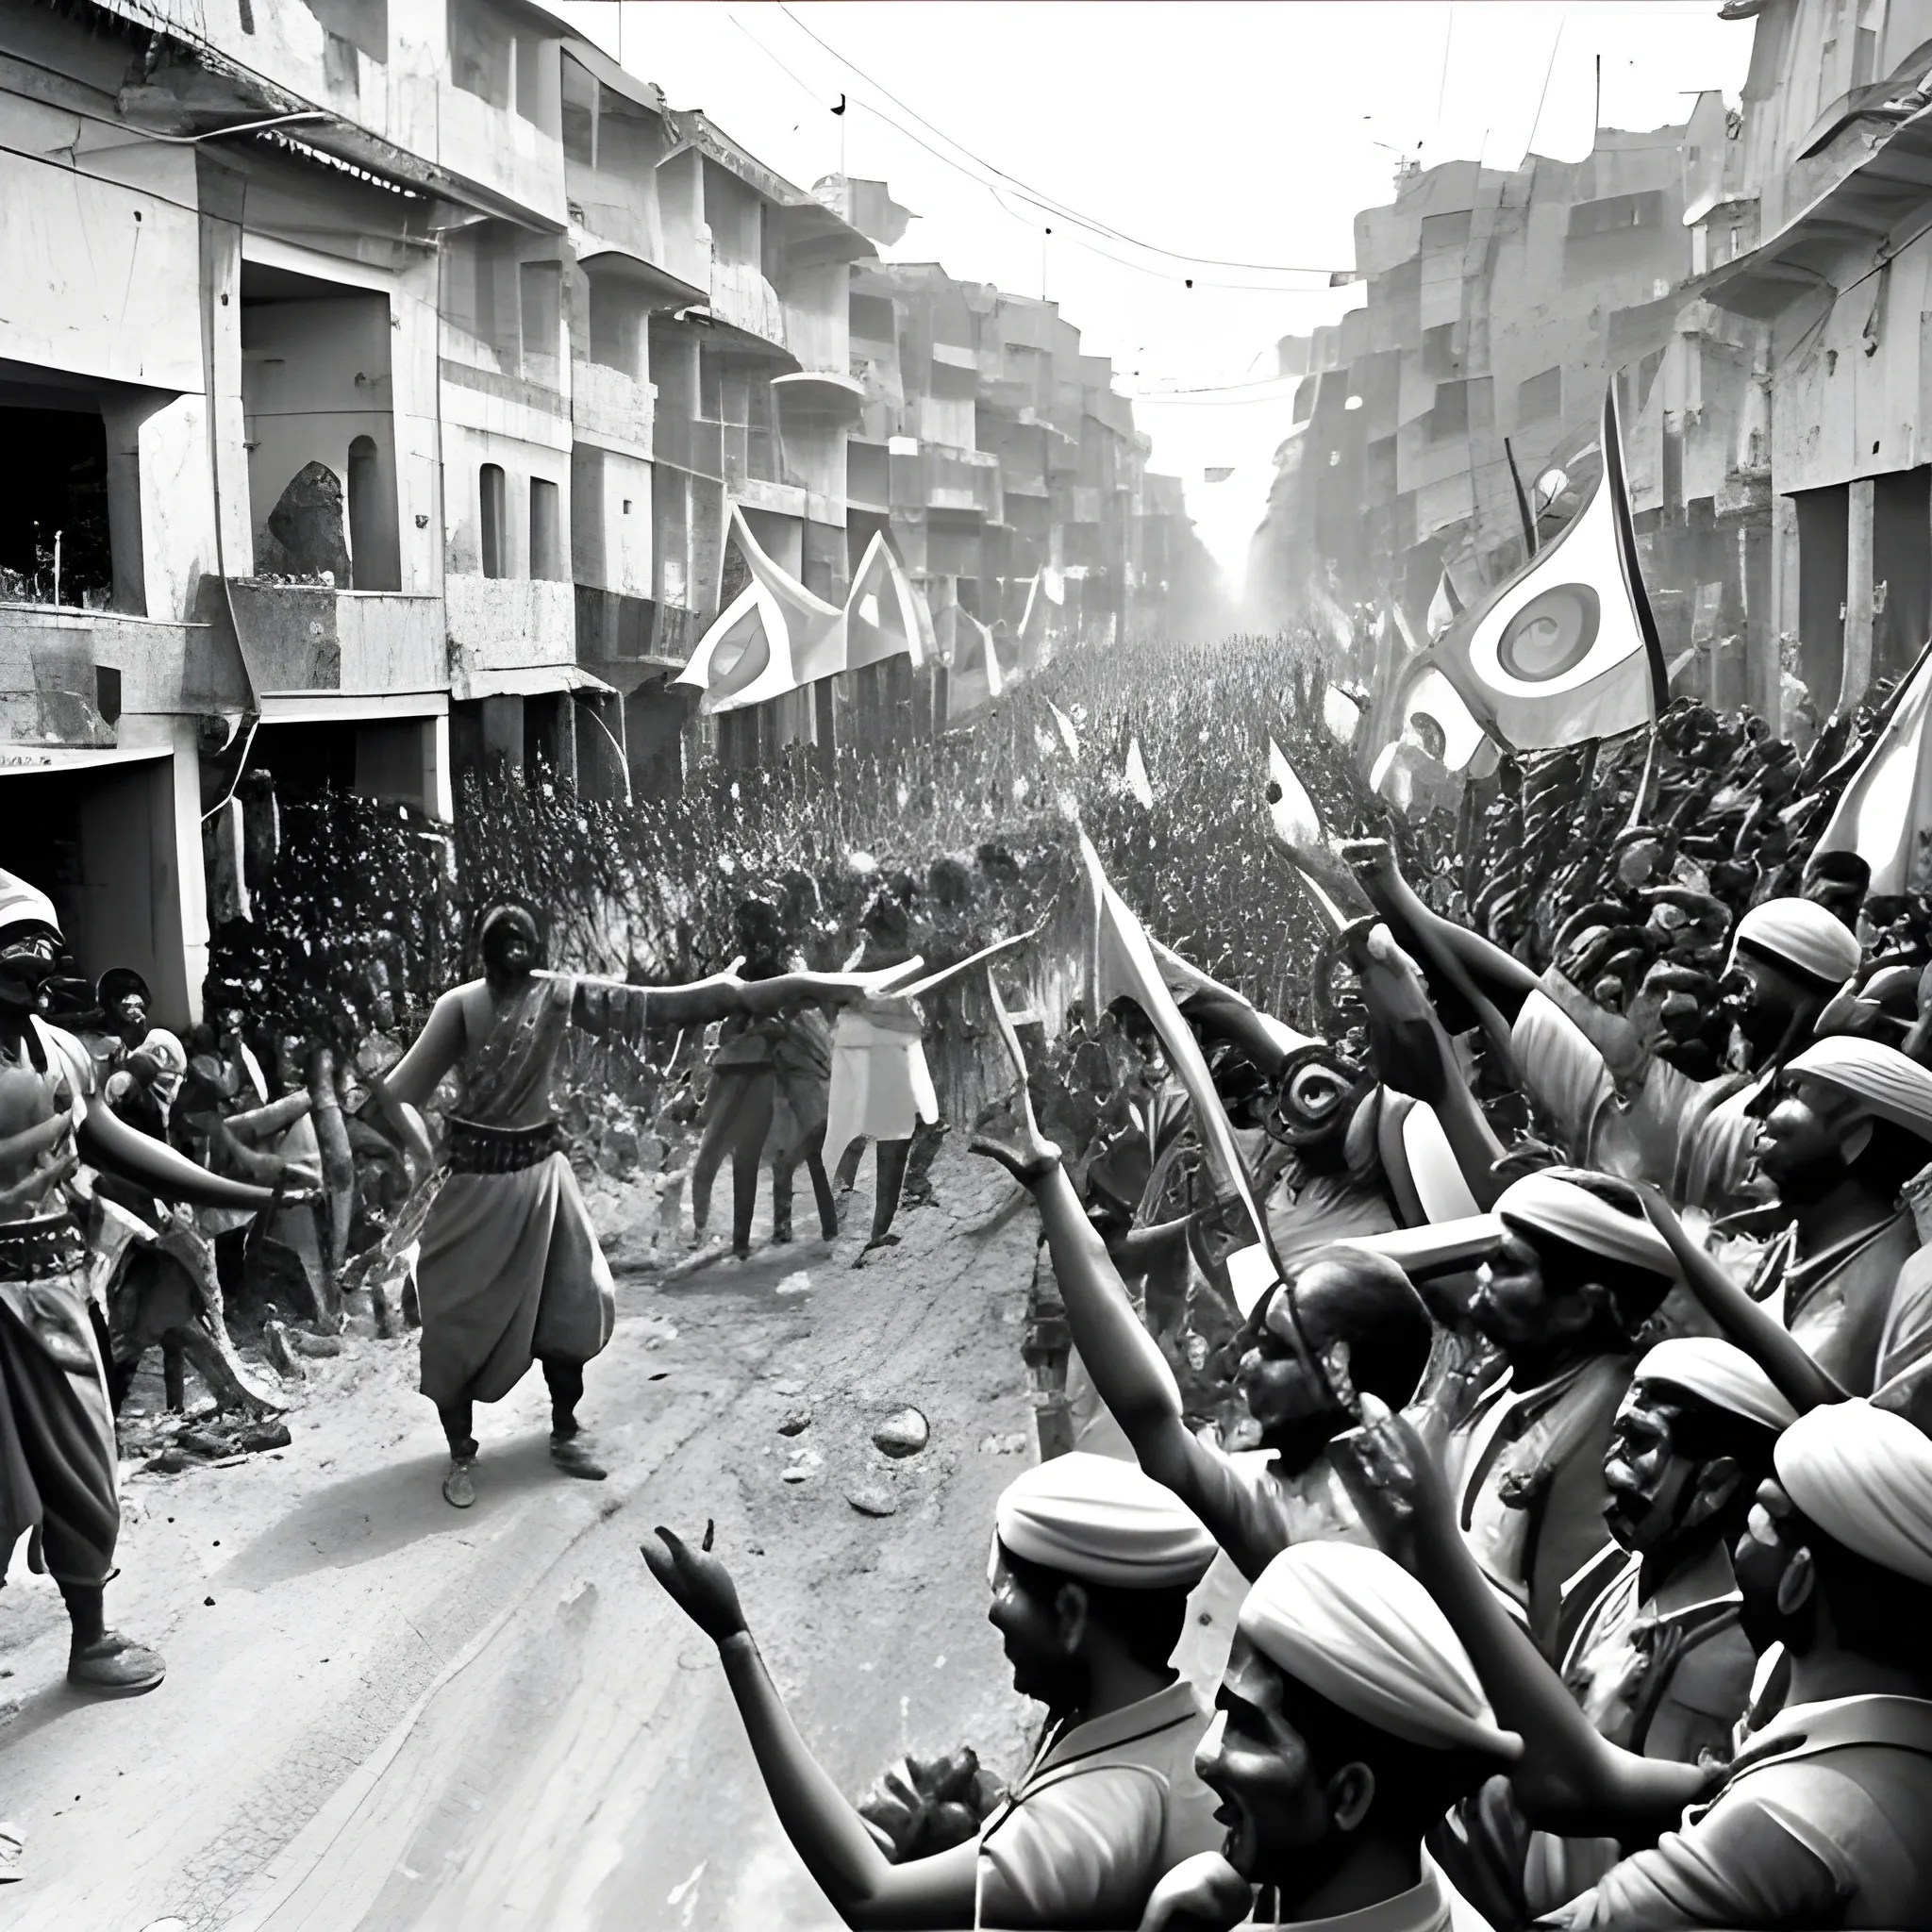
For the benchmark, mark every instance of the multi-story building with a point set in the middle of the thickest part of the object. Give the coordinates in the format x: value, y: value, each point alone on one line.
x: 1499, y: 305
x: 395, y: 388
x: 1809, y: 227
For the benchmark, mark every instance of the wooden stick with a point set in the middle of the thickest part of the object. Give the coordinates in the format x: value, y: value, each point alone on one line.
x: 926, y: 985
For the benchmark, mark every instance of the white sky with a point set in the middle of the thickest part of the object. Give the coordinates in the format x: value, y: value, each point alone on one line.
x: 1247, y: 132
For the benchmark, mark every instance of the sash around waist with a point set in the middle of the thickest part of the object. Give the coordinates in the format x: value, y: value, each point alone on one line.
x: 39, y: 1249
x: 477, y: 1149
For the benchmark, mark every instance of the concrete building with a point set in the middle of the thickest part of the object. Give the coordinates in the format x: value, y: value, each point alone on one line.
x: 394, y: 386
x: 1810, y: 226
x: 1499, y: 304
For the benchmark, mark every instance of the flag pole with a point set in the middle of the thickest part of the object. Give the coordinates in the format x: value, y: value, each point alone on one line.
x: 1522, y: 500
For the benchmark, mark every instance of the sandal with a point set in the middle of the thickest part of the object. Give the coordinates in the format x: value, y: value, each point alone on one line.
x: 115, y: 1666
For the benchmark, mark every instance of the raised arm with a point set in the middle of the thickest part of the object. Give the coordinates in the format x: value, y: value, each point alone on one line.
x: 1570, y: 1780
x: 1413, y: 1055
x: 1129, y: 1372
x: 865, y: 1888
x: 1793, y: 1373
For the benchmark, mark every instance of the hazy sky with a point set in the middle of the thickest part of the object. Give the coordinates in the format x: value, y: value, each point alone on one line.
x: 1245, y: 133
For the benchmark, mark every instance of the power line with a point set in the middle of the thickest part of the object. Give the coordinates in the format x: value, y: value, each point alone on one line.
x: 1045, y: 203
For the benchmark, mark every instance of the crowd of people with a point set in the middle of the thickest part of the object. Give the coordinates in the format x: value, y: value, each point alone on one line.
x: 1564, y: 1505
x: 1548, y: 1537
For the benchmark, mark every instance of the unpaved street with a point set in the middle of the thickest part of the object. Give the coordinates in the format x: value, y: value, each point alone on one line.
x: 382, y: 1714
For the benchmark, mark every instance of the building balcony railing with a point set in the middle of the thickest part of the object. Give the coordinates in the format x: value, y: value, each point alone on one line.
x: 742, y: 297
x: 499, y: 624
x: 312, y: 638
x: 613, y: 406
x: 52, y: 662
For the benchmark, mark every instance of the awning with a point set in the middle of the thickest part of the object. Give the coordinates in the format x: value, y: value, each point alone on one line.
x: 526, y: 681
x: 820, y: 388
x: 350, y: 708
x: 19, y: 759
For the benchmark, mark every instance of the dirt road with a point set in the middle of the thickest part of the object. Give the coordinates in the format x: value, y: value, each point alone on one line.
x: 385, y: 1716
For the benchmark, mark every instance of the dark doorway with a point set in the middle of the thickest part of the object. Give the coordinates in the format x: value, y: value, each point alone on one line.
x: 307, y: 758
x: 1902, y: 561
x: 54, y: 485
x: 1825, y: 518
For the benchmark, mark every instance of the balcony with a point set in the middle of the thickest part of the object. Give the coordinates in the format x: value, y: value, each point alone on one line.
x: 1851, y: 189
x: 947, y: 479
x: 309, y: 639
x: 497, y: 149
x: 742, y: 297
x: 503, y: 630
x: 52, y: 662
x: 608, y: 405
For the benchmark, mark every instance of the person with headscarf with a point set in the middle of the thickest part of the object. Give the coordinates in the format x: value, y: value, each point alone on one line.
x: 510, y: 1271
x: 1090, y: 1572
x: 1575, y: 1272
x: 1616, y: 1105
x: 1817, y: 1821
x: 1349, y: 1719
x: 1854, y: 1125
x: 1650, y: 1643
x: 58, y: 1456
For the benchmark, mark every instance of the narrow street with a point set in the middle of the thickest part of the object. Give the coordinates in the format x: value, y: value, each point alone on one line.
x: 381, y: 1714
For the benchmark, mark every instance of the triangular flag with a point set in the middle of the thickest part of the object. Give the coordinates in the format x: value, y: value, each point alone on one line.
x: 1881, y: 812
x: 974, y: 678
x: 885, y: 612
x: 1445, y: 607
x: 1069, y: 737
x: 1290, y: 810
x: 1136, y: 775
x: 1567, y: 649
x: 1124, y: 962
x: 774, y: 636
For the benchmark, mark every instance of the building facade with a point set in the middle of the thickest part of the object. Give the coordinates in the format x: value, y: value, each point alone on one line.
x: 384, y: 382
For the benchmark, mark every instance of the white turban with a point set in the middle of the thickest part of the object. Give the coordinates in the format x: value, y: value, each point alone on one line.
x: 1864, y: 1477
x: 1355, y: 1627
x: 1719, y: 1373
x: 1800, y: 936
x: 21, y: 903
x: 1882, y: 1080
x: 1545, y: 1202
x: 1104, y: 1522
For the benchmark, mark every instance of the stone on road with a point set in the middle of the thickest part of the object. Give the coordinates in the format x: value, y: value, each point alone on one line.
x: 394, y: 1717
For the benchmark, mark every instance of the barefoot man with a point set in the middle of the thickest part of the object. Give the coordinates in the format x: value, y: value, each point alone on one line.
x: 510, y: 1270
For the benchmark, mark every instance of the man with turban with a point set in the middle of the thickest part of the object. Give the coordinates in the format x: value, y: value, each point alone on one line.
x: 1349, y: 1719
x: 1090, y: 1570
x: 1575, y: 1272
x: 58, y: 1462
x: 119, y: 1024
x: 1615, y: 1103
x: 1651, y: 1645
x: 1854, y: 1126
x: 1346, y: 1320
x: 509, y: 1270
x: 1819, y: 1821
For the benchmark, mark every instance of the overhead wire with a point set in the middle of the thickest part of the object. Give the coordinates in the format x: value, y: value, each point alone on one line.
x: 1045, y: 203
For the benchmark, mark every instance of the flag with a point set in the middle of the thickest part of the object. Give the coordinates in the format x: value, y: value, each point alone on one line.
x: 1136, y: 775
x: 1445, y: 607
x: 1297, y: 824
x: 1124, y: 962
x: 1881, y: 813
x: 886, y: 613
x: 1567, y: 649
x: 1069, y: 737
x: 773, y: 638
x: 973, y: 676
